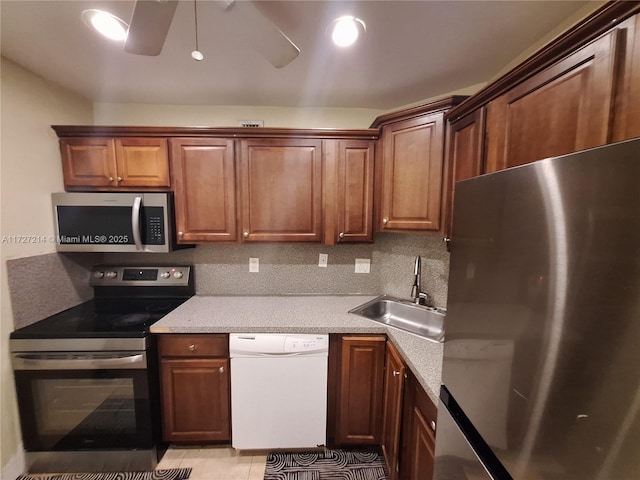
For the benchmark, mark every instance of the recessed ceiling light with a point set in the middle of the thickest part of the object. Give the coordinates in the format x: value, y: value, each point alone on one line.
x: 346, y: 30
x: 106, y: 24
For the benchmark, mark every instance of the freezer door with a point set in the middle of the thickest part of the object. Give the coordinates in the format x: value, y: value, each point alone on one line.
x: 543, y: 333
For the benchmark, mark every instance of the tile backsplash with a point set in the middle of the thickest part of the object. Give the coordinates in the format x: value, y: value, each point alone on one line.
x: 224, y: 270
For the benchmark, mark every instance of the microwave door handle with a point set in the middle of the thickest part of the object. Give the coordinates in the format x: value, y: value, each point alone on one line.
x: 135, y: 222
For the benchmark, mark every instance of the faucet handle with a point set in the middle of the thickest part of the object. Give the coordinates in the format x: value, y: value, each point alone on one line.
x: 424, y: 299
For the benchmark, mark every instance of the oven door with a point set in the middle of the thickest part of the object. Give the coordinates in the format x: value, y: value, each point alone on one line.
x: 83, y: 400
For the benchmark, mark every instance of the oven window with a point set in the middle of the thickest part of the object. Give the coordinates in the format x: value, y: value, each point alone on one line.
x: 91, y: 406
x: 84, y: 409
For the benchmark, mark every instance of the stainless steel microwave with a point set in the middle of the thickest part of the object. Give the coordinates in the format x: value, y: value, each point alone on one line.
x: 114, y: 222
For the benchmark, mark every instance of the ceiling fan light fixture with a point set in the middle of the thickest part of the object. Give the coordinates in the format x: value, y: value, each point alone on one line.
x: 106, y: 24
x: 197, y: 55
x: 345, y: 30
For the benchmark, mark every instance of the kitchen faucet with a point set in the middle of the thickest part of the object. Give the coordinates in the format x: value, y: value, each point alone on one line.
x: 417, y: 296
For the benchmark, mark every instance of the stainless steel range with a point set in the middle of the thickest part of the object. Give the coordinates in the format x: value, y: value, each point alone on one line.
x: 87, y: 378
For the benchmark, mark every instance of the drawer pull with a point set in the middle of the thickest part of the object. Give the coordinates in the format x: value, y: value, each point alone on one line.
x: 221, y: 369
x: 192, y: 347
x: 396, y: 373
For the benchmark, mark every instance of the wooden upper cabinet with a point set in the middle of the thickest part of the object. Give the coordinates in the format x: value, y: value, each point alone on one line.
x: 394, y: 380
x: 627, y: 107
x: 204, y: 180
x: 464, y: 156
x: 412, y: 163
x: 114, y: 163
x: 565, y: 108
x: 281, y: 189
x: 88, y: 162
x: 348, y: 190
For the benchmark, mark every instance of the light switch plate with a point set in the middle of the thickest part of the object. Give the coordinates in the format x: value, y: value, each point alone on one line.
x: 254, y: 265
x: 363, y: 265
x: 323, y: 260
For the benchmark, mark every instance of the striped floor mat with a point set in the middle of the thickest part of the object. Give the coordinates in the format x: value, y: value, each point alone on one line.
x: 327, y: 464
x: 167, y: 474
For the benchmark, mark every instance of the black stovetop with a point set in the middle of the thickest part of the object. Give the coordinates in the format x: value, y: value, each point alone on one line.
x: 95, y: 319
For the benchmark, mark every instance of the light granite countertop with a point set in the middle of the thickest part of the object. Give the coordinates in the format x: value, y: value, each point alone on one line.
x: 301, y: 314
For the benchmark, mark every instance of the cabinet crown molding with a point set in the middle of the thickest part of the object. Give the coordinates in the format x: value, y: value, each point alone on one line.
x: 211, y: 132
x: 407, y: 113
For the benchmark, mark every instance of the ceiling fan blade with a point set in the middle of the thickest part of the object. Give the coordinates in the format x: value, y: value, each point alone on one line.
x: 149, y: 25
x: 256, y: 31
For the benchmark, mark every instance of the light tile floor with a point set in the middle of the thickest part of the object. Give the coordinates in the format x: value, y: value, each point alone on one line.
x: 216, y: 463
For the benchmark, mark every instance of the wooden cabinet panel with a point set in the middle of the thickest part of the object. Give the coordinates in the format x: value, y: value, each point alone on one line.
x: 281, y: 182
x: 195, y: 400
x: 348, y: 190
x: 204, y: 180
x: 627, y: 108
x: 360, y: 388
x: 412, y: 160
x: 142, y: 162
x: 110, y: 164
x: 200, y: 345
x: 565, y: 108
x: 89, y: 162
x: 394, y: 380
x: 419, y: 422
x: 465, y: 151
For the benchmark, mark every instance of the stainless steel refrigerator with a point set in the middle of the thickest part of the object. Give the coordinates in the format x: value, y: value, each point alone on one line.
x: 541, y: 371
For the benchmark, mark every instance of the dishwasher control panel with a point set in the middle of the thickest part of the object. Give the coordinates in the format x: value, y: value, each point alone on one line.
x: 277, y: 344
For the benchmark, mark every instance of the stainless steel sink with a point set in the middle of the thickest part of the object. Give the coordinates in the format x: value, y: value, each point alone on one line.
x: 427, y: 322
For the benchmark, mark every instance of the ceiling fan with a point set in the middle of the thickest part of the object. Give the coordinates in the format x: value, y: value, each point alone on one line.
x: 151, y: 20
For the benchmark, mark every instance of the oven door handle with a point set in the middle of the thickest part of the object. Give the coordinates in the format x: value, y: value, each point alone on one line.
x: 135, y: 222
x: 30, y: 361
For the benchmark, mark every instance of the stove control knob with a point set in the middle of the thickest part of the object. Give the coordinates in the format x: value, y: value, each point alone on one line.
x: 111, y: 274
x: 165, y: 275
x: 178, y: 275
x: 98, y: 274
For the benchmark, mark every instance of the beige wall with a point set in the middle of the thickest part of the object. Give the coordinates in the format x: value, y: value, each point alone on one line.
x: 230, y: 116
x: 30, y: 171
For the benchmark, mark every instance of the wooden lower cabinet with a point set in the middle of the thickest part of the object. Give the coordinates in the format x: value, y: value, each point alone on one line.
x: 356, y: 367
x: 418, y: 436
x: 394, y: 383
x: 195, y: 385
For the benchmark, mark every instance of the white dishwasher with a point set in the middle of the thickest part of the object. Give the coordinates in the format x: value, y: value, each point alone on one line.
x: 278, y: 390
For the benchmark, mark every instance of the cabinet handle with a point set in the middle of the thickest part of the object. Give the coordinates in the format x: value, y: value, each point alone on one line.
x: 245, y: 234
x: 341, y: 234
x: 180, y: 234
x: 221, y: 369
x: 385, y: 221
x: 433, y: 425
x: 192, y: 347
x: 396, y: 373
x: 119, y: 179
x: 111, y: 179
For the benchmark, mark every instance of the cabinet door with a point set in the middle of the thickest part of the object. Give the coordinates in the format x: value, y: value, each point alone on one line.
x: 412, y: 173
x: 627, y: 108
x: 465, y: 149
x: 350, y: 167
x: 419, y: 440
x: 142, y: 162
x: 394, y: 373
x: 88, y: 162
x: 565, y: 108
x: 281, y: 190
x: 359, y: 414
x: 204, y: 179
x: 195, y: 400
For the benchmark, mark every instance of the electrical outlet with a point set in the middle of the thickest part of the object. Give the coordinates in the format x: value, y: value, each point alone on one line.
x: 254, y: 265
x: 323, y: 260
x: 363, y: 265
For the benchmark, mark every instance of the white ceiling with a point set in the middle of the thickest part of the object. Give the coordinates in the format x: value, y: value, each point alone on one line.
x: 412, y: 50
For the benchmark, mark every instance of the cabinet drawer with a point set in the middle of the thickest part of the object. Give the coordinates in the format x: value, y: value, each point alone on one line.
x: 205, y: 345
